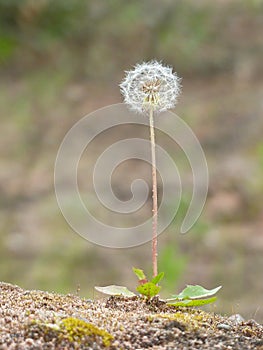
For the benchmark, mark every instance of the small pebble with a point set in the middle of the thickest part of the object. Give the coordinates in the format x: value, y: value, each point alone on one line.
x: 224, y: 326
x: 236, y: 319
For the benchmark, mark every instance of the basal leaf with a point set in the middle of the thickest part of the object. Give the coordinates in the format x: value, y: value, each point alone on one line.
x: 190, y: 303
x: 139, y: 273
x: 115, y: 290
x: 148, y: 289
x: 157, y: 278
x: 195, y: 292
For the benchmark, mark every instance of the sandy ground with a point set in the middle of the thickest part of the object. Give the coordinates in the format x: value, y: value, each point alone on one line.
x: 42, y: 320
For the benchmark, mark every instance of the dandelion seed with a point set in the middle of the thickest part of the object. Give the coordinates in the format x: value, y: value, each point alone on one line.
x: 150, y: 86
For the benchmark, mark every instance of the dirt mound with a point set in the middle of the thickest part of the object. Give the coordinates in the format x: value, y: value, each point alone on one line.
x: 43, y: 320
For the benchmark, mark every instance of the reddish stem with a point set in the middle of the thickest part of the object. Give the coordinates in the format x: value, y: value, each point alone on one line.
x: 154, y: 196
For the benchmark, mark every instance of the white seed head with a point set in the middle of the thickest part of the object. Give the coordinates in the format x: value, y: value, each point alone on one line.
x: 150, y: 86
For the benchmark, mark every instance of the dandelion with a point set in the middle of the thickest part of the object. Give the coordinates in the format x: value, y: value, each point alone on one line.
x: 151, y: 88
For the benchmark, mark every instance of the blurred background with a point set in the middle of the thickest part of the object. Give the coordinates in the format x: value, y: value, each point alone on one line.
x: 60, y: 60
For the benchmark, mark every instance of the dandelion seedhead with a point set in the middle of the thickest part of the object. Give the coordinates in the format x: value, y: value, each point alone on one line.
x: 150, y: 86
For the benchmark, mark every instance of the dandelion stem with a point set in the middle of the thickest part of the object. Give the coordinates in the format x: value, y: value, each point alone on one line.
x: 154, y: 195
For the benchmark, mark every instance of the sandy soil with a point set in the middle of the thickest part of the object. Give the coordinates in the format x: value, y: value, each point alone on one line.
x: 42, y: 320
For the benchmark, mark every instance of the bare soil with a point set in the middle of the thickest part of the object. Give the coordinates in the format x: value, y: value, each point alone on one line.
x: 43, y: 320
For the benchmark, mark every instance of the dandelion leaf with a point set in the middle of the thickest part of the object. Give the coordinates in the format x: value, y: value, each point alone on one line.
x: 195, y: 292
x: 148, y: 289
x: 190, y: 303
x: 158, y: 278
x: 139, y: 273
x: 115, y: 290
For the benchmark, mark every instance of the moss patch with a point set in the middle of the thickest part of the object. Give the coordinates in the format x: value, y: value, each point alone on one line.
x: 77, y: 330
x: 189, y: 321
x: 69, y: 329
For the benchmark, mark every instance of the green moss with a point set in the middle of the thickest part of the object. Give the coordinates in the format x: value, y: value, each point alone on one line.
x: 190, y: 320
x: 76, y: 329
x: 70, y: 329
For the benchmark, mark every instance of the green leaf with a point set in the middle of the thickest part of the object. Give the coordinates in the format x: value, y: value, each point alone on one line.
x: 157, y: 278
x: 139, y: 273
x: 115, y: 290
x: 148, y: 289
x: 190, y: 303
x: 195, y: 292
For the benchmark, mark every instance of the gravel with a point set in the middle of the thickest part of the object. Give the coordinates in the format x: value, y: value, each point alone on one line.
x: 34, y: 320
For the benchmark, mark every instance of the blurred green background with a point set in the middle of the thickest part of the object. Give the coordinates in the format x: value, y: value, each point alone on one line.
x: 60, y: 60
